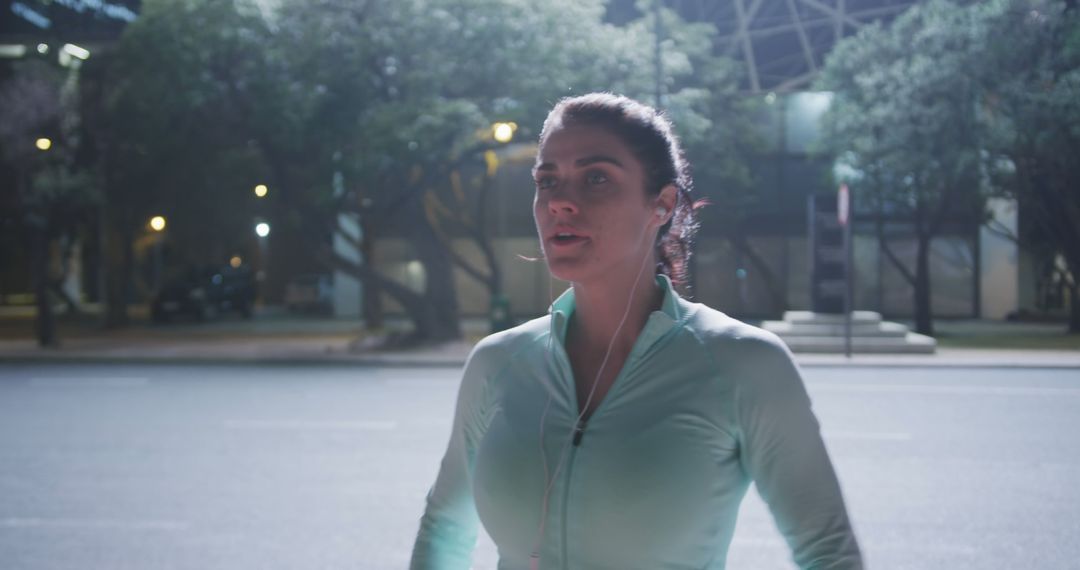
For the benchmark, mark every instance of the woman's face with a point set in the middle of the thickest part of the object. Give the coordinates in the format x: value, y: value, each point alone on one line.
x: 592, y: 214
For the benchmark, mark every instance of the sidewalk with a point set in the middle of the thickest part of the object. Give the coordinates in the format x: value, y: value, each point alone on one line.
x: 275, y: 338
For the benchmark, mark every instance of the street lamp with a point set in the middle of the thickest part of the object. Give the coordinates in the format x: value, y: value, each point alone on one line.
x: 76, y: 51
x: 261, y: 190
x: 43, y: 143
x: 503, y: 132
x: 157, y: 223
x: 262, y: 229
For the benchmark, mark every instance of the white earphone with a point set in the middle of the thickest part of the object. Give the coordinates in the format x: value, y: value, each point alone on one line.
x: 573, y: 437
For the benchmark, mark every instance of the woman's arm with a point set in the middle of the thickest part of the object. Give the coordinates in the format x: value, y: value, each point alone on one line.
x: 782, y: 451
x: 448, y: 528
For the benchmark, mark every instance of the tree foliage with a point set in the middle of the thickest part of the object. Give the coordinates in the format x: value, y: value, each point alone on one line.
x: 52, y: 190
x: 957, y: 101
x: 903, y: 123
x: 392, y: 98
x: 1030, y: 72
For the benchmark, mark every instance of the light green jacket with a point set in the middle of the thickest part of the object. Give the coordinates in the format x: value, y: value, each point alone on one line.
x: 703, y: 406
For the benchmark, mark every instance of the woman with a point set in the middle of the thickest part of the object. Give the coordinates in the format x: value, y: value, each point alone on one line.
x: 622, y: 430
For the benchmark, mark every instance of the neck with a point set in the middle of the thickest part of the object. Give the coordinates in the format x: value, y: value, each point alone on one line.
x: 599, y: 309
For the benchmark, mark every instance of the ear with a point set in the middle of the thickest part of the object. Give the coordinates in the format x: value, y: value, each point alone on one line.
x: 669, y: 196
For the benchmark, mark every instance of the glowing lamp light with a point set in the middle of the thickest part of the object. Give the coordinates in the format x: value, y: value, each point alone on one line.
x: 503, y: 132
x: 262, y: 229
x: 43, y: 143
x: 235, y: 261
x: 261, y: 190
x: 76, y: 51
x: 43, y: 48
x: 157, y: 223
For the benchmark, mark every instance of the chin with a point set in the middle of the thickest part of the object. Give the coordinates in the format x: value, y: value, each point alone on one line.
x: 571, y: 270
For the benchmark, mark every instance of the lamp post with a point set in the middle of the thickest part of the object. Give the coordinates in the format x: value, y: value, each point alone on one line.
x: 262, y: 231
x: 499, y: 309
x: 157, y: 225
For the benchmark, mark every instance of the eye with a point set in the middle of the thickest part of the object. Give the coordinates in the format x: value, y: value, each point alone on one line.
x: 595, y: 178
x: 545, y: 182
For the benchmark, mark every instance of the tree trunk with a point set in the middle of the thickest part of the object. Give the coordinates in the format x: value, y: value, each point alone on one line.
x: 45, y: 322
x: 777, y: 297
x: 924, y: 320
x: 440, y: 320
x: 374, y: 319
x: 118, y: 260
x: 1074, y: 309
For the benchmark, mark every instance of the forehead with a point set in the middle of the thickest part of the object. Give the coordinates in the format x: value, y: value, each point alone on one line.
x: 565, y: 145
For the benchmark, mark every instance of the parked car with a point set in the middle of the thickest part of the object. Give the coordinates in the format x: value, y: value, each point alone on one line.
x: 310, y: 293
x: 206, y: 293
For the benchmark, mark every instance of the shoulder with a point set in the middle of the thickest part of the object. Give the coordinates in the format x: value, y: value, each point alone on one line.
x: 495, y: 351
x: 731, y: 342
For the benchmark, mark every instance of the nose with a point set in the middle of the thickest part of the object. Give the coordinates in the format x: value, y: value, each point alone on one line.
x: 560, y: 203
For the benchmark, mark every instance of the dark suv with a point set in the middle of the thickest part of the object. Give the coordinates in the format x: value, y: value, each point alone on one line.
x: 206, y: 293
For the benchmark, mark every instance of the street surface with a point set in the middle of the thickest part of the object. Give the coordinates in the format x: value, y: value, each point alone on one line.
x: 139, y: 467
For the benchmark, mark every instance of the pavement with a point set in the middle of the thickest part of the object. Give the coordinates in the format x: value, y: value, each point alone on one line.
x: 274, y: 337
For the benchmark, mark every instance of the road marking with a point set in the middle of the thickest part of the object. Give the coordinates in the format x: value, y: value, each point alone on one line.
x: 88, y: 382
x: 873, y: 436
x: 310, y: 425
x: 939, y: 389
x: 93, y: 524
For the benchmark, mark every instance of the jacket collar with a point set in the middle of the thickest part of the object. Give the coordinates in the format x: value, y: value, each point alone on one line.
x: 658, y: 324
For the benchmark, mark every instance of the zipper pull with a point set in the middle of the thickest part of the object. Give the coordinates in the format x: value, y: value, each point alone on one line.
x: 579, y: 432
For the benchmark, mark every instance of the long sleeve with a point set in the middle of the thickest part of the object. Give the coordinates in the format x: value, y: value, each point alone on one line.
x: 448, y: 528
x: 783, y: 452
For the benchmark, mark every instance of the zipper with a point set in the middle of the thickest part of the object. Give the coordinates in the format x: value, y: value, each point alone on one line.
x: 579, y: 432
x: 579, y: 428
x: 566, y: 503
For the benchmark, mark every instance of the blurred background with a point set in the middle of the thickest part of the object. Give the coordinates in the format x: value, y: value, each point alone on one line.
x: 369, y: 160
x: 246, y: 246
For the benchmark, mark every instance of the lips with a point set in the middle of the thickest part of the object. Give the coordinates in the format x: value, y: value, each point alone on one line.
x: 562, y: 237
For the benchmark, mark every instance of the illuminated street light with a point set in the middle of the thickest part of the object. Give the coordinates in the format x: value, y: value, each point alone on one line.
x: 503, y: 132
x: 43, y: 49
x: 76, y: 51
x: 261, y: 190
x: 43, y: 143
x: 262, y: 229
x: 157, y: 223
x: 235, y: 261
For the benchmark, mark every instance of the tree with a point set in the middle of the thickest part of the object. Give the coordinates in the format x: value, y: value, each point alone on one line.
x: 1030, y: 72
x: 39, y: 135
x: 904, y: 121
x: 164, y: 139
x: 387, y: 97
x: 414, y: 116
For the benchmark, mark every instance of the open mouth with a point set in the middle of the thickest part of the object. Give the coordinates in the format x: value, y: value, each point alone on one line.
x: 566, y: 238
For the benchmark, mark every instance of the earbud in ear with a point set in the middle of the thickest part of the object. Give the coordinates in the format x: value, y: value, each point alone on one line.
x: 661, y: 211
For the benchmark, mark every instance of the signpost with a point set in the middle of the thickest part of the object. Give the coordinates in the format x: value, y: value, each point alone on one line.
x: 831, y: 266
x: 843, y: 216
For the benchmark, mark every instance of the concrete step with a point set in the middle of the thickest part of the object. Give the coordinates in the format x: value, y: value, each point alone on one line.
x: 784, y: 328
x: 911, y: 343
x: 810, y: 317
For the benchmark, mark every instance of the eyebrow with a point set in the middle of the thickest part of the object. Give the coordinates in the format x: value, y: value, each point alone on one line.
x: 583, y: 162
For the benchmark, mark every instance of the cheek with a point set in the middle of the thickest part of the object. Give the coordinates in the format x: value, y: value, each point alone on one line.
x: 538, y: 212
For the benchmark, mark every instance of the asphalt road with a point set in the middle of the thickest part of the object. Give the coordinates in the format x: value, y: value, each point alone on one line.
x: 118, y: 467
